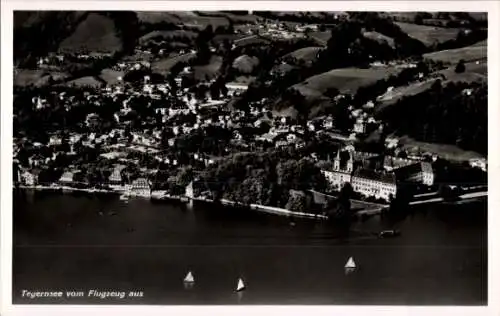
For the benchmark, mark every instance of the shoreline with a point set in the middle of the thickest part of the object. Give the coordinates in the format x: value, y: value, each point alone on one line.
x: 161, y: 195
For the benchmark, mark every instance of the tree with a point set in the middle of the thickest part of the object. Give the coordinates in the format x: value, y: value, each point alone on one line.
x: 296, y: 203
x: 460, y: 68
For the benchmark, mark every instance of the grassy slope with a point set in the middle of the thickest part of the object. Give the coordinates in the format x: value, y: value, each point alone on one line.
x: 111, y: 76
x: 163, y: 66
x: 167, y: 35
x: 474, y: 72
x: 211, y: 70
x: 245, y: 63
x: 182, y: 17
x: 96, y: 33
x: 428, y: 34
x: 347, y: 80
x: 469, y: 53
x: 307, y: 54
x: 380, y: 38
x: 321, y: 37
x: 85, y: 81
x: 26, y: 77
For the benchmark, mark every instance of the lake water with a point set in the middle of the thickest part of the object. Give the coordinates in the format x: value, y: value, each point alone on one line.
x: 64, y: 242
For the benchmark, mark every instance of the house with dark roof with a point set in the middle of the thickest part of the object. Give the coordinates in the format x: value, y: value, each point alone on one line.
x: 393, y: 163
x: 418, y: 172
x: 371, y: 183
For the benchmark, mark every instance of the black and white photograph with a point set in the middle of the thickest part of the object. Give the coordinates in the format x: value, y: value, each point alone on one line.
x: 249, y: 157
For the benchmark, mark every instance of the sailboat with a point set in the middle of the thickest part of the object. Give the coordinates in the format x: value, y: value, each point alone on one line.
x: 241, y: 285
x: 350, y: 264
x: 189, y: 278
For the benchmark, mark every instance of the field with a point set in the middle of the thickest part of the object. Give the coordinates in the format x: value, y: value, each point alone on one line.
x: 211, y: 70
x: 307, y: 54
x: 26, y: 77
x: 96, y: 33
x: 251, y: 40
x: 88, y: 81
x: 236, y: 18
x: 111, y: 76
x: 321, y: 37
x: 163, y: 66
x: 380, y: 38
x: 346, y: 80
x: 469, y: 53
x: 481, y: 43
x: 168, y: 35
x: 428, y: 34
x: 283, y: 68
x: 449, y: 152
x: 157, y: 17
x: 182, y: 17
x: 245, y: 63
x: 473, y: 73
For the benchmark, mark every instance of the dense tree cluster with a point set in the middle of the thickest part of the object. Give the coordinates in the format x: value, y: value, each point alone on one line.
x: 261, y: 178
x: 463, y: 39
x: 455, y: 114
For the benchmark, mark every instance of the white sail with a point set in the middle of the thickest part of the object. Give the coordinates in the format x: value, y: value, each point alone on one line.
x: 241, y: 285
x: 350, y: 263
x: 189, y: 277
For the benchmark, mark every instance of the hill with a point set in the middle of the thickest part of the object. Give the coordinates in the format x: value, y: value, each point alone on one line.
x: 473, y: 73
x: 97, y: 33
x: 428, y: 35
x: 245, y: 63
x: 187, y: 18
x: 164, y: 65
x: 380, y: 38
x: 210, y: 70
x: 306, y: 54
x: 38, y: 32
x: 166, y: 35
x: 469, y: 53
x: 346, y: 80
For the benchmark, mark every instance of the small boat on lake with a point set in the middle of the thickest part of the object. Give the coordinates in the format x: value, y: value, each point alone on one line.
x: 124, y: 197
x: 350, y: 264
x: 389, y: 233
x: 241, y: 286
x: 189, y: 278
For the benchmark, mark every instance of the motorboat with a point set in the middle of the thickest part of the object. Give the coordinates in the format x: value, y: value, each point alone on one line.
x: 389, y: 233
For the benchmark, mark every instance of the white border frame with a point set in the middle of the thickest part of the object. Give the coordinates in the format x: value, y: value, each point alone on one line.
x: 6, y: 307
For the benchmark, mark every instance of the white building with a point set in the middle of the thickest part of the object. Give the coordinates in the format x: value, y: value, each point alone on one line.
x: 67, y: 177
x: 367, y: 182
x: 27, y: 178
x: 140, y: 187
x: 234, y: 88
x: 418, y: 172
x: 359, y: 126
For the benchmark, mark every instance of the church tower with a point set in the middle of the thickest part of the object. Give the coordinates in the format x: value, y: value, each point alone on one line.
x: 350, y: 163
x: 336, y: 162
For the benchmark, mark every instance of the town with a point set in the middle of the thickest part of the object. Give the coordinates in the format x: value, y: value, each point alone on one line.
x: 183, y: 134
